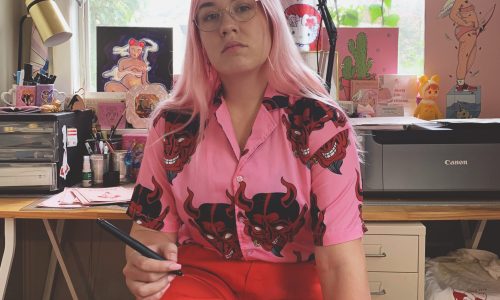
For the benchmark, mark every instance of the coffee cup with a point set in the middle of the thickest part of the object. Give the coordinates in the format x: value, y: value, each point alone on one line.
x: 25, y: 95
x: 9, y: 97
x: 46, y: 93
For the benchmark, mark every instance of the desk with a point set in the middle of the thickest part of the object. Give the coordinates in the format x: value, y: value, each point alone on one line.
x: 11, y: 209
x: 373, y: 210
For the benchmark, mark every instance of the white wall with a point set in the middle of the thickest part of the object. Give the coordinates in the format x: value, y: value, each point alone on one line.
x: 10, y: 13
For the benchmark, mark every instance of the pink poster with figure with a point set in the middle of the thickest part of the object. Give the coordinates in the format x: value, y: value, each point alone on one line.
x: 462, y: 46
x: 365, y: 53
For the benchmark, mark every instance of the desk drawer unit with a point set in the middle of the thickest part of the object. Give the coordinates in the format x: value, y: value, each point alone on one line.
x: 389, y: 286
x: 395, y: 256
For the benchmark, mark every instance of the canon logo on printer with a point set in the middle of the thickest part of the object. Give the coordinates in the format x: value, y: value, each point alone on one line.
x: 455, y: 162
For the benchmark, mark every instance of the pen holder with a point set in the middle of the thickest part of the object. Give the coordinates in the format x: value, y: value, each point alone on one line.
x: 99, y: 164
x: 118, y: 164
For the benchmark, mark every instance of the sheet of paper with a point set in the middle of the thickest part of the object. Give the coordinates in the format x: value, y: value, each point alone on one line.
x: 387, y: 123
x: 64, y: 199
x: 84, y: 197
x: 472, y: 120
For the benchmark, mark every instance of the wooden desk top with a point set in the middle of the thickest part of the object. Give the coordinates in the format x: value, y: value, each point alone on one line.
x: 432, y: 209
x: 373, y: 210
x: 12, y: 208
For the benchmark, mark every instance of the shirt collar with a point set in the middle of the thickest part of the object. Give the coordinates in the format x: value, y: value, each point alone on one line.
x: 272, y: 99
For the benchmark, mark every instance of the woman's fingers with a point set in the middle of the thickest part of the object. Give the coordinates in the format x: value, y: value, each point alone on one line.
x: 144, y: 290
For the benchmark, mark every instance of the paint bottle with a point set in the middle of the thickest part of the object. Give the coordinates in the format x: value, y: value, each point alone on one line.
x: 86, y: 172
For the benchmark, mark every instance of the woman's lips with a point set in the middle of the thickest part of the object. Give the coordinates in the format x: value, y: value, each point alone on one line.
x: 232, y: 45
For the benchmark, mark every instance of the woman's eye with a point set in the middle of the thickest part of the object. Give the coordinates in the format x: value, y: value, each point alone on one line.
x: 210, y: 237
x: 180, y: 140
x: 296, y: 132
x: 227, y: 236
x: 279, y: 227
x: 209, y: 17
x: 242, y: 8
x: 257, y: 228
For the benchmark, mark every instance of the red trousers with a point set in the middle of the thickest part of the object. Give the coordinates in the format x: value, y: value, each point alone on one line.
x: 209, y: 276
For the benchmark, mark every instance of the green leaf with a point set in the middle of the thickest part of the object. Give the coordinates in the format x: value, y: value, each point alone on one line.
x: 388, y: 3
x: 350, y: 18
x: 375, y: 11
x: 391, y: 20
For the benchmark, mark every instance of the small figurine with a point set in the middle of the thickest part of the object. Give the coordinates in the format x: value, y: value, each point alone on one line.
x: 428, y: 89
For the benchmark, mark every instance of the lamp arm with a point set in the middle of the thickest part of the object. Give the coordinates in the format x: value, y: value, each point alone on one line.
x: 20, y: 43
x: 331, y: 30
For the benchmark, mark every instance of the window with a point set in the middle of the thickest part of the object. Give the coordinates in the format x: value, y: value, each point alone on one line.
x: 173, y: 13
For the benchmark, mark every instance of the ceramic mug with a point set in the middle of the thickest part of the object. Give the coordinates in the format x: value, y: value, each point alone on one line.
x: 25, y: 95
x: 46, y: 93
x: 9, y: 97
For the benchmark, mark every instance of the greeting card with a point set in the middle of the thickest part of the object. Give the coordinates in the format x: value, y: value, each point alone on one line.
x: 108, y: 115
x: 398, y: 91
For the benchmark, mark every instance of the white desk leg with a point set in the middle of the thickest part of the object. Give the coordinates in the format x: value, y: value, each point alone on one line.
x: 49, y: 281
x: 62, y: 264
x: 8, y: 254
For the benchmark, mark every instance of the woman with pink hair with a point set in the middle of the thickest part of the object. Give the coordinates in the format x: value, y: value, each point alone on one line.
x: 250, y: 182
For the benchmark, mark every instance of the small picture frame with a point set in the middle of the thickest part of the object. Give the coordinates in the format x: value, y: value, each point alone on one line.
x: 141, y: 101
x: 97, y: 100
x: 358, y: 85
x: 111, y: 114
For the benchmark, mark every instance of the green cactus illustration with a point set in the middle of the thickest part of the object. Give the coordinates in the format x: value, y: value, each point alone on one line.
x: 362, y: 64
x: 348, y: 70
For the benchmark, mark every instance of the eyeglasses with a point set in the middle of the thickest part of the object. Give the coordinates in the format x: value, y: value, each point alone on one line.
x: 209, y: 19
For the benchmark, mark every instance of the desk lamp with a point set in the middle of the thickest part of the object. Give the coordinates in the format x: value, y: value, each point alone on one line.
x: 49, y: 22
x: 331, y: 30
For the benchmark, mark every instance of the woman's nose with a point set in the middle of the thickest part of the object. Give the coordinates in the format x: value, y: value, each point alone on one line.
x: 228, y: 24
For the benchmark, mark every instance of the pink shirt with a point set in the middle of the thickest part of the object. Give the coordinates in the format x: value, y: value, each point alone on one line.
x: 296, y: 185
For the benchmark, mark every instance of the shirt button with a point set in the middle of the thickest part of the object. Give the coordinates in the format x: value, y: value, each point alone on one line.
x: 239, y: 178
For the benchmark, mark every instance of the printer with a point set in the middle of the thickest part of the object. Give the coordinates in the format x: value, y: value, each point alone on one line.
x: 452, y: 158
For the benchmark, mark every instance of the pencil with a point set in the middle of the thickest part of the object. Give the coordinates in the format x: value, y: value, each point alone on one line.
x: 133, y: 243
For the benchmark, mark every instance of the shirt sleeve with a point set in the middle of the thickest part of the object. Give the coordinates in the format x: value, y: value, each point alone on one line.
x: 152, y: 204
x: 336, y: 187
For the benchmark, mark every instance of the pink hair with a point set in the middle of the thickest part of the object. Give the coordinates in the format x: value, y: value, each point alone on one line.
x: 198, y: 83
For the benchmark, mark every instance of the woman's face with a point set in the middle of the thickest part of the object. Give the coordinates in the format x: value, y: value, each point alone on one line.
x: 135, y: 51
x: 236, y: 47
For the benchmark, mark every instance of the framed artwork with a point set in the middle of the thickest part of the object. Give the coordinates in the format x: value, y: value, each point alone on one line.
x: 357, y: 85
x: 133, y: 56
x: 365, y: 53
x: 141, y: 101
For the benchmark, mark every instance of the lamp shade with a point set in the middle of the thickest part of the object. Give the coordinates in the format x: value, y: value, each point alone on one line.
x: 49, y: 22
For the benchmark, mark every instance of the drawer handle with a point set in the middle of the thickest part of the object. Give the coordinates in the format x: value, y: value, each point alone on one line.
x: 379, y: 293
x: 383, y: 254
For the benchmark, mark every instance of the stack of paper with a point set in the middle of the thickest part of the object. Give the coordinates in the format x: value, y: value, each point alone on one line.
x: 84, y: 197
x: 388, y: 123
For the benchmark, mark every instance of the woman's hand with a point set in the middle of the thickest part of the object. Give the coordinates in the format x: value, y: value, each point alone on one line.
x: 147, y: 278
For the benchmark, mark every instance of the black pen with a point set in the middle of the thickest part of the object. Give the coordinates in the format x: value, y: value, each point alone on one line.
x: 133, y: 243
